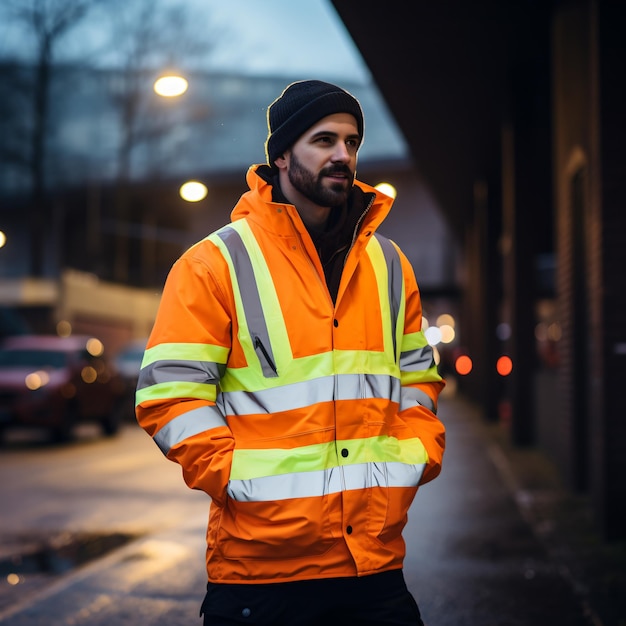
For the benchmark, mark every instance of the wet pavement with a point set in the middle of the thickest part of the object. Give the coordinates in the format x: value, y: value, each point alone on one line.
x: 494, y: 541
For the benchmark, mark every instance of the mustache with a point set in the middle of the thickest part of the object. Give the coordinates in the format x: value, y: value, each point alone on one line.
x: 337, y: 169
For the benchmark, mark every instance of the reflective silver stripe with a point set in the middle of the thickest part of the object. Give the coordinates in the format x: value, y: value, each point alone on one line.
x: 187, y: 425
x: 410, y: 397
x: 310, y: 392
x: 417, y: 360
x: 255, y: 319
x: 175, y: 371
x: 395, y: 282
x: 324, y: 482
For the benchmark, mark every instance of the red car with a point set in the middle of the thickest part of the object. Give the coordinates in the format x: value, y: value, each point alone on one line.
x: 56, y: 382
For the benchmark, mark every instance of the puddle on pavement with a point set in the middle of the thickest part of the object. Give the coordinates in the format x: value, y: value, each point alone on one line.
x: 57, y: 554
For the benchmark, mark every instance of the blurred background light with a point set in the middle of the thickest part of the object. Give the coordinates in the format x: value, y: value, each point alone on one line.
x: 89, y: 374
x: 388, y: 189
x: 95, y: 347
x: 445, y: 319
x: 193, y: 191
x: 433, y: 335
x: 504, y: 365
x: 64, y: 328
x: 447, y: 333
x: 503, y: 331
x: 463, y: 365
x: 436, y: 356
x: 38, y: 379
x: 171, y: 86
x: 554, y: 331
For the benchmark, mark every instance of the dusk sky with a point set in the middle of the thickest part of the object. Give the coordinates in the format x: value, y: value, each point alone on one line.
x: 303, y: 39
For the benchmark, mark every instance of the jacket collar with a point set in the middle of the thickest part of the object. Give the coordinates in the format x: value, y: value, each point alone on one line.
x: 259, y: 204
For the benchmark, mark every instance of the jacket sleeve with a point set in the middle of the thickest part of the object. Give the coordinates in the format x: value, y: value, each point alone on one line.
x: 180, y: 375
x: 421, y: 382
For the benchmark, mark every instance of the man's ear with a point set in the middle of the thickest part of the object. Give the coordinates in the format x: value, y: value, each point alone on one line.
x: 280, y: 162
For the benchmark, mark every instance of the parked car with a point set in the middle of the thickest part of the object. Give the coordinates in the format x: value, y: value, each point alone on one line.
x: 55, y: 383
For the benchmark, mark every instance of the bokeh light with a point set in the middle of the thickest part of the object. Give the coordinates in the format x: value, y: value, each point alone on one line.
x: 504, y: 365
x: 171, y: 86
x: 447, y: 333
x: 388, y: 189
x: 433, y: 335
x: 64, y: 328
x: 445, y: 319
x: 193, y: 191
x: 503, y: 331
x: 463, y: 365
x: 95, y: 347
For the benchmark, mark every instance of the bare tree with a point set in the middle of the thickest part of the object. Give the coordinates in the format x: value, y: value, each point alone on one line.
x: 150, y: 37
x: 49, y: 22
x: 146, y: 36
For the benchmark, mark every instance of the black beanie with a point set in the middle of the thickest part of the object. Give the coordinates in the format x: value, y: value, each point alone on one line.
x: 301, y: 105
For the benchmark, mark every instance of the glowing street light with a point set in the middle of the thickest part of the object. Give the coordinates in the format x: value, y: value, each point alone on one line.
x: 171, y: 85
x: 193, y: 191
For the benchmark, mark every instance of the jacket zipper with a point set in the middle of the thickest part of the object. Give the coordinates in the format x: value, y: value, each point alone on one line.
x: 357, y: 228
x: 259, y: 344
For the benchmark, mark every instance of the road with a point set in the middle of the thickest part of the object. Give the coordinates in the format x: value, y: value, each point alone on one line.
x: 91, y: 488
x: 473, y: 556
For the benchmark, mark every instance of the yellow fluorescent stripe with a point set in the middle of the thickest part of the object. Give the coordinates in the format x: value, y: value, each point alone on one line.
x: 310, y: 368
x: 272, y: 312
x: 401, y: 316
x: 248, y: 464
x: 423, y: 376
x: 244, y: 334
x: 253, y: 463
x: 414, y: 341
x: 185, y: 352
x: 365, y: 362
x: 379, y: 264
x: 176, y: 390
x: 275, y: 321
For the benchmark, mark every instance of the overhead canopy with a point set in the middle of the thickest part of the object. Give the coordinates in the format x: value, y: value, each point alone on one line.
x: 444, y: 70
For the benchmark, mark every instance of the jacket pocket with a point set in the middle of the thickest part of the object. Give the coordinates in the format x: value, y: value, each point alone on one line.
x: 281, y: 529
x: 388, y: 509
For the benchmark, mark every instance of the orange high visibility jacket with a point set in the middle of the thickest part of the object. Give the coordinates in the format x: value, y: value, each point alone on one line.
x: 310, y: 425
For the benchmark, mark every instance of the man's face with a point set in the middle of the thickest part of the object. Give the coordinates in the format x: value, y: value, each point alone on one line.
x: 322, y: 163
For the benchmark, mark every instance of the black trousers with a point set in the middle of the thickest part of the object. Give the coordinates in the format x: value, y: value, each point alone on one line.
x: 375, y: 600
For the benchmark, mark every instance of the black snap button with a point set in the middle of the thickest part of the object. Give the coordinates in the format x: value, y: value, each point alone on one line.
x: 344, y: 453
x: 336, y: 323
x: 349, y: 530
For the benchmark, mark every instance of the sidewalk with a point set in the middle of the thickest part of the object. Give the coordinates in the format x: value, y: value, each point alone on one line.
x: 494, y: 541
x: 564, y: 524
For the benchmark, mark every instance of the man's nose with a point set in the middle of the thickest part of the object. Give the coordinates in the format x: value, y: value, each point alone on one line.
x: 341, y: 153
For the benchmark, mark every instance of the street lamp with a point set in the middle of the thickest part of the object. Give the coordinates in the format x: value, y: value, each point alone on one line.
x: 193, y: 191
x: 170, y: 85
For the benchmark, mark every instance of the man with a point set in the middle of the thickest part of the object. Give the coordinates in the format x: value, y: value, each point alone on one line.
x: 288, y: 375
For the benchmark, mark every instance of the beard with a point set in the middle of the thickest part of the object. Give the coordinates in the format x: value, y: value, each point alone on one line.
x: 313, y: 188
